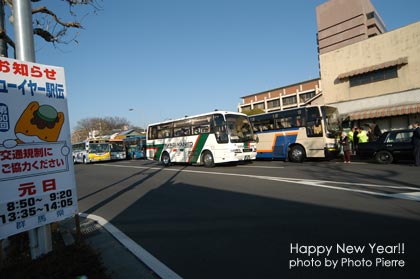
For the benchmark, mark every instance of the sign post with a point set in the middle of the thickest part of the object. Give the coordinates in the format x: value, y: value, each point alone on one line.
x: 37, y: 184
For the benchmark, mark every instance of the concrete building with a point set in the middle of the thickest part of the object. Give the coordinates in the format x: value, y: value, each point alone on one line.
x: 290, y: 96
x: 369, y: 75
x: 344, y: 22
x: 376, y: 79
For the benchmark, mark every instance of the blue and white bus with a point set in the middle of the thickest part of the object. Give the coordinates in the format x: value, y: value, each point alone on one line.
x: 135, y: 147
x: 296, y: 134
x: 117, y: 148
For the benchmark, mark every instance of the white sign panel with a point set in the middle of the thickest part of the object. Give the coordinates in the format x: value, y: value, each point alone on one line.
x: 37, y: 184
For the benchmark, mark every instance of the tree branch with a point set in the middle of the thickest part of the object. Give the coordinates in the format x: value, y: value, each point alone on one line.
x: 45, y: 10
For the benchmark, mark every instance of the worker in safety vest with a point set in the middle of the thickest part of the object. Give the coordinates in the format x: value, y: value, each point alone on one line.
x: 350, y: 135
x: 362, y: 135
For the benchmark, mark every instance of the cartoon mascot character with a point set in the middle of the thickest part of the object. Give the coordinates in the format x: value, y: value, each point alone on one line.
x: 37, y: 124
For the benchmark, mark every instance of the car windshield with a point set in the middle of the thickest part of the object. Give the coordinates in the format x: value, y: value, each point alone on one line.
x: 239, y: 127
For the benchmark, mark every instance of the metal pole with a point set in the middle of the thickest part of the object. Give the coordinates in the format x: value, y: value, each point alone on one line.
x: 24, y: 34
x: 40, y: 238
x: 3, y: 39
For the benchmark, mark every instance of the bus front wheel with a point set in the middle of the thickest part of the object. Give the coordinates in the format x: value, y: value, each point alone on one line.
x: 165, y: 159
x: 207, y: 159
x: 296, y: 154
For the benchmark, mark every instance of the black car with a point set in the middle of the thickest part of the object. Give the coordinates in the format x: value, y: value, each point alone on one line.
x: 390, y: 147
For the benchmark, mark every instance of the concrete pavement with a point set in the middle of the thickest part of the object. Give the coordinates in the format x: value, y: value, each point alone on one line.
x: 122, y: 257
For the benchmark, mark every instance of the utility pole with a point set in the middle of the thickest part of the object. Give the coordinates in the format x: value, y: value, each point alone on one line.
x: 3, y: 35
x: 40, y: 238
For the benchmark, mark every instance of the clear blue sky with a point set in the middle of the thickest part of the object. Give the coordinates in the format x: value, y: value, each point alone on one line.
x: 166, y: 59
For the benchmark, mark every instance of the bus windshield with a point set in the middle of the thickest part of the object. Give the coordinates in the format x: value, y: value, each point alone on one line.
x: 239, y: 128
x: 331, y: 120
x: 98, y: 147
x: 117, y: 147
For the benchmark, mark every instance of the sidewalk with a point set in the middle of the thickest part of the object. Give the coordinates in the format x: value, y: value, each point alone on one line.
x: 123, y: 260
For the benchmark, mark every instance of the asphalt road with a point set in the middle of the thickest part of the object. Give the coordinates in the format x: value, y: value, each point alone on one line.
x: 267, y: 219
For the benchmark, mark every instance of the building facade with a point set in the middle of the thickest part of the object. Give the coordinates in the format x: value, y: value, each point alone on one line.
x: 344, y: 22
x: 376, y: 80
x: 290, y: 96
x: 370, y: 75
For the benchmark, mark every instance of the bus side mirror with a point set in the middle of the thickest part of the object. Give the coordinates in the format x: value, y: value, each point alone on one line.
x: 256, y: 138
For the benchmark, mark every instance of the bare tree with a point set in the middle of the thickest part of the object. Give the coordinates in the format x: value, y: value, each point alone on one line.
x: 101, y: 126
x: 48, y: 25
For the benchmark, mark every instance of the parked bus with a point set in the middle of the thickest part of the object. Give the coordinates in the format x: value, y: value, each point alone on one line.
x: 206, y: 139
x: 296, y: 134
x: 135, y: 146
x: 92, y: 150
x: 117, y: 149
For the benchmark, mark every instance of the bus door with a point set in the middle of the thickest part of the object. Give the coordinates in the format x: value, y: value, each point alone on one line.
x: 279, y: 149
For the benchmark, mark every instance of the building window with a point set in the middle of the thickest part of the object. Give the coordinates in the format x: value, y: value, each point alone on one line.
x: 306, y: 96
x: 259, y: 106
x: 244, y: 108
x: 290, y: 101
x: 370, y: 15
x: 379, y: 75
x: 273, y: 104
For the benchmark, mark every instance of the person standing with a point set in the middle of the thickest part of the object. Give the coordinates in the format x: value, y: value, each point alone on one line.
x: 355, y: 139
x: 416, y: 143
x: 350, y: 135
x: 345, y: 143
x: 362, y: 136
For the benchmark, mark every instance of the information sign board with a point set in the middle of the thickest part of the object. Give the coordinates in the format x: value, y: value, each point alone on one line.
x: 37, y: 183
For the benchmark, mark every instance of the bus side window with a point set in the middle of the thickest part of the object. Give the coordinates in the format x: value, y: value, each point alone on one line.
x: 313, y: 123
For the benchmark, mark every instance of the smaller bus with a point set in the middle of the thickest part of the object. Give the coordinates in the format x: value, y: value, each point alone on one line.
x: 205, y: 139
x: 298, y: 133
x: 135, y: 147
x: 117, y: 149
x: 91, y: 150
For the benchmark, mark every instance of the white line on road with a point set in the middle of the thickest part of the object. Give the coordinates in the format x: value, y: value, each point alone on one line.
x: 307, y: 182
x: 154, y: 264
x: 261, y: 167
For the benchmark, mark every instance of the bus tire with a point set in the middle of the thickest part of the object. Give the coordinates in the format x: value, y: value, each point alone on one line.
x: 296, y: 154
x: 165, y: 159
x: 207, y: 159
x: 85, y: 161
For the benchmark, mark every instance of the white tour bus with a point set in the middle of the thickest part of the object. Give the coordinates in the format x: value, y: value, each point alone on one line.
x: 205, y: 139
x: 298, y: 133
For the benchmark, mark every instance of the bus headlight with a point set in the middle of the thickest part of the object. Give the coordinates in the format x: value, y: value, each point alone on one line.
x: 331, y: 146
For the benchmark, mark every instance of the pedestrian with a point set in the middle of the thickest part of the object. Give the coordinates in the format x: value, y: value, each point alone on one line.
x: 355, y: 139
x: 345, y: 143
x: 416, y: 143
x: 362, y: 136
x: 351, y: 136
x: 370, y: 135
x: 376, y: 131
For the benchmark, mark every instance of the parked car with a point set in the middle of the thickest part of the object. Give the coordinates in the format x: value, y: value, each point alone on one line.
x: 390, y: 147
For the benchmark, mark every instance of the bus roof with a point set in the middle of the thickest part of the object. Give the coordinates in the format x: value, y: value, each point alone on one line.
x: 290, y: 109
x: 199, y: 115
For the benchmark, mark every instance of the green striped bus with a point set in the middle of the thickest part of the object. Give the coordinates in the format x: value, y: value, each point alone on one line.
x: 205, y: 139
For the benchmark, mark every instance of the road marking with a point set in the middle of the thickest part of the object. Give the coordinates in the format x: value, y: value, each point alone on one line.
x: 261, y: 167
x: 415, y: 196
x: 307, y: 182
x: 154, y: 264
